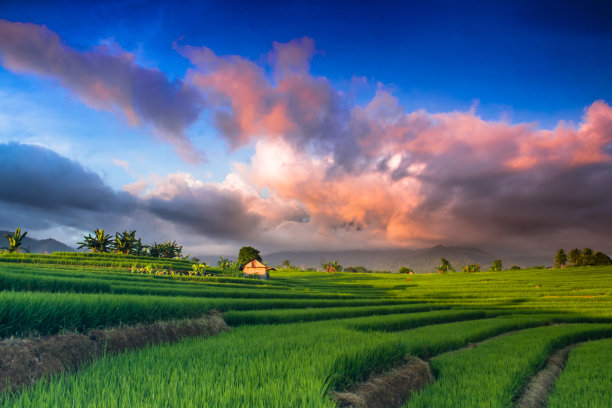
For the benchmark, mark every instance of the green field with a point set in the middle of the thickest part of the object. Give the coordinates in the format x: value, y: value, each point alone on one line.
x: 302, y: 335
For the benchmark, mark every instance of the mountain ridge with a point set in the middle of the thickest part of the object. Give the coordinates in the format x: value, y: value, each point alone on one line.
x: 419, y: 260
x: 37, y: 246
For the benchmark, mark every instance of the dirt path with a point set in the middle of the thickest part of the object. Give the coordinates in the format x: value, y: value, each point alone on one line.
x: 388, y: 390
x: 23, y: 361
x: 392, y: 389
x: 535, y: 393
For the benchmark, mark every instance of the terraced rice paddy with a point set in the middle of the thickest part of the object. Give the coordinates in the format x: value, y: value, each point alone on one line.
x: 303, y: 335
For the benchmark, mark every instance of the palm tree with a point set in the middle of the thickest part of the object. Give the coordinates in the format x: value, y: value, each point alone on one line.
x: 125, y: 242
x: 15, y: 240
x: 101, y: 242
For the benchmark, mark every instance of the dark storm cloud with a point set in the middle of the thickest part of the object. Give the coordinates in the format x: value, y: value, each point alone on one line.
x: 40, y: 189
x: 40, y: 178
x: 208, y: 211
x: 542, y: 201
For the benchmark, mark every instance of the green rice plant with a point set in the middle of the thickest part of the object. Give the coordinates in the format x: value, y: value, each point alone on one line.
x: 254, y: 366
x: 493, y: 373
x: 26, y: 313
x: 586, y: 380
x: 29, y: 282
x: 312, y: 314
x: 403, y: 322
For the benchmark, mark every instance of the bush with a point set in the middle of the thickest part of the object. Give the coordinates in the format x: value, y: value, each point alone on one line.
x: 471, y: 268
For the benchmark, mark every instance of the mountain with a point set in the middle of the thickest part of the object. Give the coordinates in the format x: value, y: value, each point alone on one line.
x: 37, y: 246
x: 420, y: 260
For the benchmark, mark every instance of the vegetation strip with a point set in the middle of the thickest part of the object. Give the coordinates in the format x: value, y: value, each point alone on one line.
x: 536, y: 392
x: 491, y: 374
x: 23, y: 361
x: 389, y: 390
x: 585, y: 381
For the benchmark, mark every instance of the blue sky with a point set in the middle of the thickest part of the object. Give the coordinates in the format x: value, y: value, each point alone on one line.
x: 513, y: 62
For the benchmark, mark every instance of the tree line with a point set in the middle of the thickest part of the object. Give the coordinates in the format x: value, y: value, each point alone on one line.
x: 577, y: 257
x: 126, y: 243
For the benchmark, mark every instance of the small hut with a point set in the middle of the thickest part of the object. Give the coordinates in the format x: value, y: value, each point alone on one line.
x: 256, y: 268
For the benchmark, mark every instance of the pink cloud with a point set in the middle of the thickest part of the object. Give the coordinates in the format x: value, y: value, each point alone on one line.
x: 106, y: 78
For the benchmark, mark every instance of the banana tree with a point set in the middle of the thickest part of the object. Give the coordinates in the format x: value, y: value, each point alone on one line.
x: 15, y: 241
x: 223, y: 262
x: 100, y: 242
x: 170, y: 249
x: 332, y: 267
x: 125, y: 242
x: 140, y: 248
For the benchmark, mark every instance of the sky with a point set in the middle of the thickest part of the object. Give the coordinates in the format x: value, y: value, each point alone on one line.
x: 309, y: 125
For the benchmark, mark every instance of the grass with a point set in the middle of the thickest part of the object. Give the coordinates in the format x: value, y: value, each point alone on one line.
x: 311, y: 314
x: 586, y: 380
x: 493, y: 373
x: 303, y: 334
x: 259, y: 366
x: 39, y: 313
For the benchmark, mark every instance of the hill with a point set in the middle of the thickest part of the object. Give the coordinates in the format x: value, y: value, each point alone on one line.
x: 38, y: 246
x: 420, y: 260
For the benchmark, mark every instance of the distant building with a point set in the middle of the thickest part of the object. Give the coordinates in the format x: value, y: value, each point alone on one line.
x: 256, y: 268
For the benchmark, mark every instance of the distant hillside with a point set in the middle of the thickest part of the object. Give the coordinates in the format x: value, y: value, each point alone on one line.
x: 37, y: 246
x: 420, y: 260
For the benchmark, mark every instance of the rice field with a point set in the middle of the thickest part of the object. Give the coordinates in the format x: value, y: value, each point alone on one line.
x: 303, y: 335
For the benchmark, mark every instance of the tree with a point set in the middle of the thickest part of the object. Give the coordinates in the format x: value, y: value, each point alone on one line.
x: 139, y: 248
x: 445, y: 266
x: 246, y: 255
x: 15, y: 240
x: 588, y: 258
x: 496, y: 266
x: 601, y: 259
x: 404, y: 269
x: 331, y: 267
x: 471, y: 268
x: 560, y: 258
x: 170, y: 249
x: 100, y: 242
x: 125, y: 242
x: 575, y: 257
x: 154, y: 250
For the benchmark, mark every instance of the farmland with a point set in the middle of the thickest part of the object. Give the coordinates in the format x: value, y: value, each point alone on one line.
x: 302, y: 336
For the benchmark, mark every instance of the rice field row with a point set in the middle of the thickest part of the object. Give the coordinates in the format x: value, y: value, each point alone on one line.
x: 586, y: 380
x: 493, y: 373
x: 311, y: 332
x: 265, y: 365
x: 27, y: 313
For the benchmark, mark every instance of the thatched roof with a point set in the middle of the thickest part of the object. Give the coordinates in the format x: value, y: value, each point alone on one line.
x: 256, y: 264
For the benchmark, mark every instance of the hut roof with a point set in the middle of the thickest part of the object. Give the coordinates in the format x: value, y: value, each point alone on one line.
x: 256, y: 264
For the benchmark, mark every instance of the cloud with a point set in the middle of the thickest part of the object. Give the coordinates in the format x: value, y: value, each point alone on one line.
x: 122, y: 163
x: 228, y: 210
x: 293, y: 105
x: 329, y: 173
x: 41, y: 188
x: 452, y: 177
x: 106, y: 78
